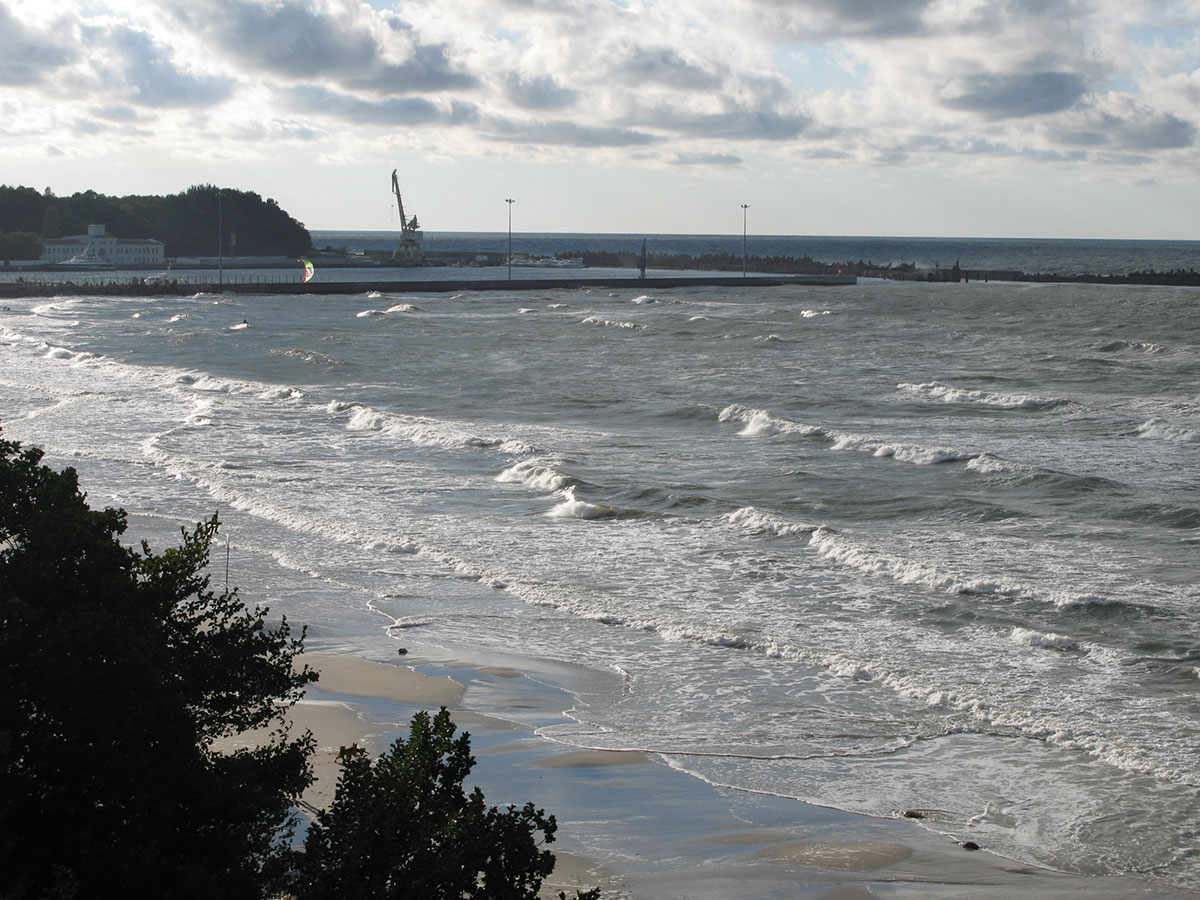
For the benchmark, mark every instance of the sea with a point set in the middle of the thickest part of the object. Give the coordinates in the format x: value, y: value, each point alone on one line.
x: 881, y: 547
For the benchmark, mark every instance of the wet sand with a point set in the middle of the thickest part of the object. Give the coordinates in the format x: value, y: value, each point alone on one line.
x: 643, y: 830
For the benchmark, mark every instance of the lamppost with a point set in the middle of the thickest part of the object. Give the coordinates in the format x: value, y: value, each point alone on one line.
x: 220, y: 239
x: 745, y: 206
x: 510, y: 203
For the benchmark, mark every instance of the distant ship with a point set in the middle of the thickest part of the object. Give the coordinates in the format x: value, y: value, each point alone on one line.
x: 88, y: 258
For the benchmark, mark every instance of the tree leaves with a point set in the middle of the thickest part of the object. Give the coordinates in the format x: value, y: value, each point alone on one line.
x: 402, y: 827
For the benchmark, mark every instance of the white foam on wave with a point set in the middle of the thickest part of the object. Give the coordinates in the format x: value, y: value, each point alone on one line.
x: 756, y: 521
x: 572, y: 507
x: 369, y: 313
x: 988, y: 464
x: 813, y: 313
x: 763, y: 422
x: 1137, y: 346
x: 282, y: 393
x: 215, y: 384
x: 1047, y: 640
x: 539, y: 474
x: 403, y: 307
x: 644, y: 299
x: 1162, y: 430
x: 422, y: 431
x: 944, y: 393
x: 608, y: 323
x: 74, y: 356
x: 840, y: 549
x: 837, y: 548
x: 909, y: 453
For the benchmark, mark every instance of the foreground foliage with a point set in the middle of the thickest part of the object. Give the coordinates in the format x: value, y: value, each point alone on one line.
x: 401, y: 827
x: 118, y: 671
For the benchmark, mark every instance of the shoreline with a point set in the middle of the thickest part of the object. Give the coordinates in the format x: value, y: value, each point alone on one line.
x: 635, y: 825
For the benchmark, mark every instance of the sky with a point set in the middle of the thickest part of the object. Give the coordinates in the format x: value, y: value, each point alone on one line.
x: 974, y: 118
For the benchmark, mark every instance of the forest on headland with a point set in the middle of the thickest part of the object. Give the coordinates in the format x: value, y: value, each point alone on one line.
x: 188, y: 223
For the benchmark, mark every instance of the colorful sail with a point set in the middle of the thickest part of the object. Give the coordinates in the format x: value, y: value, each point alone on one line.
x: 309, y: 268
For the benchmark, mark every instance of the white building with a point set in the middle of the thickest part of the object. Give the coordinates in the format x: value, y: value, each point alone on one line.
x: 99, y: 248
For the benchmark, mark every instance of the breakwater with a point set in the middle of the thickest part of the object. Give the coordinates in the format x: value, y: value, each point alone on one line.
x: 139, y: 287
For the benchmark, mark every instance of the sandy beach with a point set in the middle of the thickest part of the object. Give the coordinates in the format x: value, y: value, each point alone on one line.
x: 638, y: 828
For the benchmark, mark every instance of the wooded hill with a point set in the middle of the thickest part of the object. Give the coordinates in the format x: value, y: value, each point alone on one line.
x: 187, y: 223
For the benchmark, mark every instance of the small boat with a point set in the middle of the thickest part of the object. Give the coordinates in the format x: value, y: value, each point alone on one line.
x: 89, y: 258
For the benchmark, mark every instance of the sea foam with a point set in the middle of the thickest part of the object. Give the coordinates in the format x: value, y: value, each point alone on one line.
x: 944, y: 393
x: 1162, y: 430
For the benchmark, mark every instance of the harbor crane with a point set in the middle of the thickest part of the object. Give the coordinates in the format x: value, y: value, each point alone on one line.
x: 409, y: 251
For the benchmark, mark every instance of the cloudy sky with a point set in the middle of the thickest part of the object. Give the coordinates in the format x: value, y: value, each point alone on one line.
x: 1048, y: 118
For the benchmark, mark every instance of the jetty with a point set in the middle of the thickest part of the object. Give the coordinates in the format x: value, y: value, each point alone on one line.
x: 139, y: 287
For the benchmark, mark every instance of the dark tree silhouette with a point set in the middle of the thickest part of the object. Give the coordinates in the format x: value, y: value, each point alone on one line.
x: 401, y: 827
x: 118, y: 671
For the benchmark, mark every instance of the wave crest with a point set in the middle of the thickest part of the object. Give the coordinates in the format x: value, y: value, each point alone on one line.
x: 944, y: 393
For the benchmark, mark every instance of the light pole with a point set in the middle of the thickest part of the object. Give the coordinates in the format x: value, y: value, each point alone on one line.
x: 510, y: 203
x: 220, y: 238
x: 745, y: 206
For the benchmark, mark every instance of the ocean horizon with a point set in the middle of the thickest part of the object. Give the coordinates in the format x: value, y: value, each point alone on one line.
x: 1064, y: 256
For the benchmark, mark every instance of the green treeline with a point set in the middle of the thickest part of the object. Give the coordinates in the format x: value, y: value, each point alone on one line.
x: 187, y: 223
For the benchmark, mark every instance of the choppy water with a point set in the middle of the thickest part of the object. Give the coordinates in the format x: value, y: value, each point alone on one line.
x: 880, y: 547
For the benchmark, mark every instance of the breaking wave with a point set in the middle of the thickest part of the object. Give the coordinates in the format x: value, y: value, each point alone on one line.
x: 608, y: 323
x: 761, y: 422
x: 1162, y: 430
x: 421, y: 430
x: 944, y: 393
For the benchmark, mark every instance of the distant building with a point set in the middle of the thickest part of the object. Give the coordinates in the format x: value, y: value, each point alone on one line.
x: 99, y: 248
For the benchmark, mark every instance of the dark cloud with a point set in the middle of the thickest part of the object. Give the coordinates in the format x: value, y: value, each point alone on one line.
x: 428, y: 70
x: 120, y: 112
x: 390, y: 111
x: 1124, y: 159
x: 563, y: 133
x: 1139, y: 130
x: 27, y: 56
x: 1161, y: 132
x: 538, y: 93
x: 286, y: 130
x: 1055, y: 155
x: 1082, y: 138
x: 813, y: 19
x: 151, y: 75
x: 664, y: 66
x: 707, y: 159
x: 1012, y: 95
x: 292, y: 39
x: 732, y: 125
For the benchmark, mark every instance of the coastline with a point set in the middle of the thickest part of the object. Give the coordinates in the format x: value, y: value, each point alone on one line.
x: 637, y: 827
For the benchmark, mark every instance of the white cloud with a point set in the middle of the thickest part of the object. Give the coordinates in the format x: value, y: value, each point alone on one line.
x: 1085, y: 86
